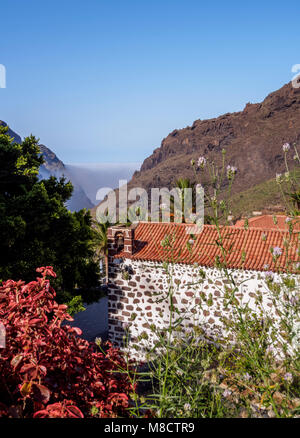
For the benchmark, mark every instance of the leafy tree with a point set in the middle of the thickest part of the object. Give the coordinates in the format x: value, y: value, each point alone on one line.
x: 184, y: 183
x: 101, y: 243
x: 36, y: 228
x: 181, y: 184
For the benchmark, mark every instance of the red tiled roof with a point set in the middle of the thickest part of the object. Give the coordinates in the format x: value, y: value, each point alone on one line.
x: 148, y: 238
x: 266, y: 222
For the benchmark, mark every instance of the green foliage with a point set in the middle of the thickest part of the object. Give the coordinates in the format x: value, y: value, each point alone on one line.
x: 260, y: 196
x: 125, y: 275
x: 75, y: 305
x: 184, y: 183
x: 36, y: 228
x: 100, y: 237
x: 100, y: 242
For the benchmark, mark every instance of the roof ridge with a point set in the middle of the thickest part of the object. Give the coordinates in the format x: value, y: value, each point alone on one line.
x: 233, y: 227
x: 266, y: 230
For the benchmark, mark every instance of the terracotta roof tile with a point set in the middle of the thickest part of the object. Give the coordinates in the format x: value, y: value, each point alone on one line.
x: 266, y: 222
x: 148, y: 238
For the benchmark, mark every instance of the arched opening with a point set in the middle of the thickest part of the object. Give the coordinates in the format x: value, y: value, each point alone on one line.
x: 119, y: 241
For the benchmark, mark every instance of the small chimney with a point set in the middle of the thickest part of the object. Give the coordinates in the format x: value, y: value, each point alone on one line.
x: 120, y: 239
x: 128, y: 241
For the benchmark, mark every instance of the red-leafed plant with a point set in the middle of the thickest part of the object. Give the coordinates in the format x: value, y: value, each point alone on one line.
x: 46, y: 369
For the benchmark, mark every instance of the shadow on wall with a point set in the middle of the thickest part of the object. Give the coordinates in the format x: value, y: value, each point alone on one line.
x: 118, y: 315
x: 130, y: 310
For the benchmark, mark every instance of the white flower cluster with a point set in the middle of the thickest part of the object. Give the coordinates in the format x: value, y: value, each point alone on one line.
x: 231, y: 171
x: 201, y: 162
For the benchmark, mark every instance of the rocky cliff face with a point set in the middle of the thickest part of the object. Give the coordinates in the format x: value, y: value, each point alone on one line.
x: 253, y: 140
x: 55, y: 167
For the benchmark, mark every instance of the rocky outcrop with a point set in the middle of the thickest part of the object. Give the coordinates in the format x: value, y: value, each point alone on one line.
x: 253, y: 140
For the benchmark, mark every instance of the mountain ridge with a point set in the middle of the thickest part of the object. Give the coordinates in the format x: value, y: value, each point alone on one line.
x: 252, y: 138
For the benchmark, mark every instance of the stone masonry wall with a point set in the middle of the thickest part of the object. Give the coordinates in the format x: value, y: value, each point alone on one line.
x: 138, y: 298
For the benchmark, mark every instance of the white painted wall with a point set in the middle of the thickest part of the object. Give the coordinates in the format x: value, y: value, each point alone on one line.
x: 200, y: 301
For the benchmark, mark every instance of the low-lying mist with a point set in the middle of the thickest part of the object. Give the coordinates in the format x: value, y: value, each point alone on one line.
x: 94, y: 176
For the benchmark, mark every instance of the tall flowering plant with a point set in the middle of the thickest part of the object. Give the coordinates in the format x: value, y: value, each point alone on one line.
x: 249, y: 366
x: 288, y: 182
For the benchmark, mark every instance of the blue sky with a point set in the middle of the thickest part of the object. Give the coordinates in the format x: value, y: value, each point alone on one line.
x: 106, y: 81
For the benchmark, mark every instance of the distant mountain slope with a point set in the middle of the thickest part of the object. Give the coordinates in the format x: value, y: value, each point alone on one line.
x: 93, y: 177
x: 54, y: 166
x: 16, y: 137
x: 253, y: 139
